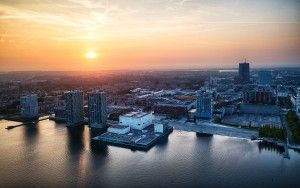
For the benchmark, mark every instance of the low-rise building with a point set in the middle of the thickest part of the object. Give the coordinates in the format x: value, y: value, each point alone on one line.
x: 136, y: 120
x: 259, y: 109
x: 118, y: 129
x: 282, y: 91
x: 230, y: 109
x: 259, y: 95
x: 159, y: 128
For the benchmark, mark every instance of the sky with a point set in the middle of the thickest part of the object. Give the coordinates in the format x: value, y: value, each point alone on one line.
x: 147, y: 34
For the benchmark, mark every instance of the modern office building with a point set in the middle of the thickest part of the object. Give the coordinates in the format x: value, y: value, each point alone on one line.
x: 244, y: 72
x: 205, y: 105
x: 298, y: 102
x: 265, y: 77
x: 97, y: 109
x: 136, y: 120
x: 29, y: 107
x: 74, y: 107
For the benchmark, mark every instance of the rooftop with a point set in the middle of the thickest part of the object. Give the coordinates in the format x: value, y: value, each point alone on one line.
x: 136, y: 114
x: 74, y: 91
x: 117, y: 126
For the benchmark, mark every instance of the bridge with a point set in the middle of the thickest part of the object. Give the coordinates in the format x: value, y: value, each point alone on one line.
x: 212, y: 128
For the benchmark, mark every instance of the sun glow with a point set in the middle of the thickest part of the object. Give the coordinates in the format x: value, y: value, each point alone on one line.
x: 91, y: 54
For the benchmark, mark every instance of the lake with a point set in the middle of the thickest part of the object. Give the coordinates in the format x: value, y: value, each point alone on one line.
x: 50, y: 155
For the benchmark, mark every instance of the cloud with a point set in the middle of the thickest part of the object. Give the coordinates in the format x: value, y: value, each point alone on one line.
x: 95, y: 19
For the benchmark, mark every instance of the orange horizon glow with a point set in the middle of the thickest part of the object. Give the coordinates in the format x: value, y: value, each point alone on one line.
x: 162, y: 34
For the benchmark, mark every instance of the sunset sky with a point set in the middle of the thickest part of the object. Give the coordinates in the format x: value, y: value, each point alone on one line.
x: 147, y: 34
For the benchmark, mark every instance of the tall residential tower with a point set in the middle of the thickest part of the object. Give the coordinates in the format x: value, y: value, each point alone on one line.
x: 97, y: 109
x: 205, y: 105
x: 74, y: 108
x: 29, y: 107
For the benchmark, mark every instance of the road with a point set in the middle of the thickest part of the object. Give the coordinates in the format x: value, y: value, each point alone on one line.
x: 212, y: 128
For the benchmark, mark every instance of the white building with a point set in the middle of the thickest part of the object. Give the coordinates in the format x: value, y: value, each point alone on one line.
x: 298, y: 102
x: 74, y: 107
x: 159, y: 128
x: 118, y: 129
x: 29, y: 107
x: 136, y: 120
x: 97, y: 109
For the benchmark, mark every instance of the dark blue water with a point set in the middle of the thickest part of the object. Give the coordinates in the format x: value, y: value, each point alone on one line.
x: 49, y: 154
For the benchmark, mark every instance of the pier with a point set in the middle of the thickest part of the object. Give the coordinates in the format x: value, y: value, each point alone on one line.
x: 27, y: 122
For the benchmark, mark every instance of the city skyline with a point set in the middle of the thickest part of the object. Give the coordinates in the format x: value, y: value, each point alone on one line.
x: 117, y: 35
x: 149, y: 93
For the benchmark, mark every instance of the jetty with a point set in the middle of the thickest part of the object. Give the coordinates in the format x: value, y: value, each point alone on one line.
x: 27, y: 122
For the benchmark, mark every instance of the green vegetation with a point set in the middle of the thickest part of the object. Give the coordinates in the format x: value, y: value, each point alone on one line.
x: 272, y: 132
x: 294, y: 124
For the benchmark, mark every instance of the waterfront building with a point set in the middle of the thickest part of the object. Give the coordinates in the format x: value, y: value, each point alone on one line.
x: 29, y: 107
x: 265, y: 77
x: 298, y: 102
x: 244, y: 72
x: 136, y: 120
x: 159, y: 128
x: 118, y: 129
x: 74, y: 107
x: 205, y: 105
x: 97, y: 109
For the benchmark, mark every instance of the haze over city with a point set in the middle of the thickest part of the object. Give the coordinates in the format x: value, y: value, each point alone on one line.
x: 152, y: 34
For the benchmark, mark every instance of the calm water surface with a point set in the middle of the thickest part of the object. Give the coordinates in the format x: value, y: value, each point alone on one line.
x: 49, y: 154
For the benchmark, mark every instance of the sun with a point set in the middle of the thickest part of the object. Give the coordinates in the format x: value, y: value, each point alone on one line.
x: 90, y: 54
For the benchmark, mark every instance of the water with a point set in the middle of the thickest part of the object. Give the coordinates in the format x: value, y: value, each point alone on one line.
x: 49, y: 154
